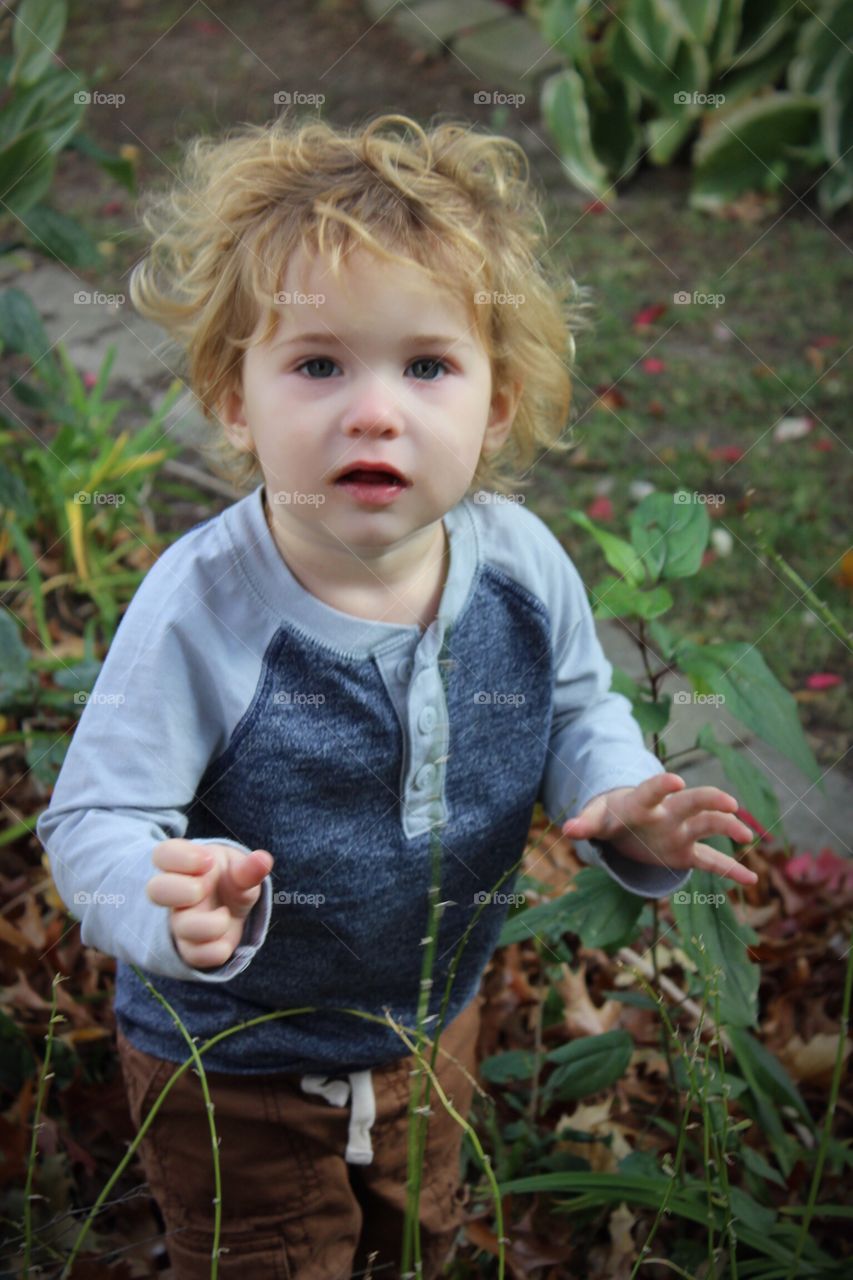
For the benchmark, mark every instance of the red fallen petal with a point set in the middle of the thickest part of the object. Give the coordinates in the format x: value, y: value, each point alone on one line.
x: 112, y: 206
x: 600, y: 508
x: 823, y: 446
x: 708, y: 557
x: 728, y: 453
x: 823, y: 680
x: 745, y: 816
x: 90, y: 379
x: 825, y: 341
x: 648, y: 315
x: 595, y: 206
x: 207, y: 28
x: 837, y: 871
x: 804, y: 869
x: 653, y: 365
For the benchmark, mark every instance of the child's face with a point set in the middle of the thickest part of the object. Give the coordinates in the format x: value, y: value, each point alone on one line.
x: 398, y: 376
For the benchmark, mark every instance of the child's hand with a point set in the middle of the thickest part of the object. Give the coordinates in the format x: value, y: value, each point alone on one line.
x: 652, y: 823
x: 210, y: 889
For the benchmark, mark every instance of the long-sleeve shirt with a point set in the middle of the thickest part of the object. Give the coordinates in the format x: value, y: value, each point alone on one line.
x: 236, y: 707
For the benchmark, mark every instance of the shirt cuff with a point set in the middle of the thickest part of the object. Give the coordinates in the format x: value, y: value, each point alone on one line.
x: 641, y: 878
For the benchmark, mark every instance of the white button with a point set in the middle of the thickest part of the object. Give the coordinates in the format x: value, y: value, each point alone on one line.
x: 427, y: 719
x: 425, y: 776
x: 404, y: 670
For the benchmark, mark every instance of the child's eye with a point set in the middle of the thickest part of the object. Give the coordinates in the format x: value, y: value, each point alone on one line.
x: 431, y: 363
x: 316, y: 360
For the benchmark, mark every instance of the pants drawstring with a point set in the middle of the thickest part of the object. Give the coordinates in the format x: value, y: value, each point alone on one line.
x: 336, y: 1090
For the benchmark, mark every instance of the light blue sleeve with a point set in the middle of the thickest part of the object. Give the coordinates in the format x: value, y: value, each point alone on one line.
x: 595, y: 744
x: 148, y: 730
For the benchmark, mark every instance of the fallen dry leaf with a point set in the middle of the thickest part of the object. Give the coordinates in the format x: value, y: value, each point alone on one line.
x: 813, y: 1061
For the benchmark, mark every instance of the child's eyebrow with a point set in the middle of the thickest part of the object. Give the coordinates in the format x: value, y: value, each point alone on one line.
x: 324, y: 339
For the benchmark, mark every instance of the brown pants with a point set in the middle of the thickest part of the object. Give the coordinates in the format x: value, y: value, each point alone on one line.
x: 292, y: 1208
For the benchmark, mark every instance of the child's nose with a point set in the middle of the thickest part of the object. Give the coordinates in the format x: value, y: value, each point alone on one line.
x: 373, y: 408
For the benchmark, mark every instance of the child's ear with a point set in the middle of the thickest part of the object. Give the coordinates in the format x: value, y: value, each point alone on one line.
x: 505, y: 401
x: 233, y: 418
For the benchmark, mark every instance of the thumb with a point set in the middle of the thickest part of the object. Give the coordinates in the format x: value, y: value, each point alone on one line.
x: 244, y: 873
x: 589, y: 823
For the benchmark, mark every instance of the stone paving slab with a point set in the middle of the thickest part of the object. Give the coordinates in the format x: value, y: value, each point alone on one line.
x: 143, y: 367
x: 435, y: 24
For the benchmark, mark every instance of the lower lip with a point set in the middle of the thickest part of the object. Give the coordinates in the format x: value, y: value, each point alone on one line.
x: 375, y: 495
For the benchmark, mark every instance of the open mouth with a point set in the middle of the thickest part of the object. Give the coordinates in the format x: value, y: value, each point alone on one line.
x: 382, y: 479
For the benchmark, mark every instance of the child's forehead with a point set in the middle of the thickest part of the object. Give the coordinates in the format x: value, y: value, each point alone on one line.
x: 363, y: 288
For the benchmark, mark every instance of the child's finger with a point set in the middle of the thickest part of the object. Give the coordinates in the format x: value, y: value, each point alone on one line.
x: 708, y: 859
x: 181, y: 856
x: 653, y: 790
x: 711, y: 823
x: 178, y: 890
x: 248, y: 870
x: 695, y: 799
x: 202, y: 926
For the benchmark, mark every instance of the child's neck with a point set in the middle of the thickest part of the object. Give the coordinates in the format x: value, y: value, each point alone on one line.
x: 402, y: 585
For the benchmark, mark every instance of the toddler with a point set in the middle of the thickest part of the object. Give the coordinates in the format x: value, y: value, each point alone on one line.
x: 375, y: 659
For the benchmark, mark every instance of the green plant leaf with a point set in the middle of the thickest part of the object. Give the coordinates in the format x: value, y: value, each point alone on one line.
x: 746, y: 146
x: 751, y: 786
x: 14, y: 495
x: 670, y: 535
x: 36, y: 35
x: 14, y: 656
x: 618, y: 553
x: 762, y: 1068
x: 60, y: 237
x: 652, y: 717
x: 116, y: 166
x: 703, y: 919
x: 587, y: 1065
x: 615, y: 598
x: 26, y: 172
x: 754, y: 695
x: 21, y: 328
x: 566, y: 113
x: 514, y: 1064
x: 599, y: 910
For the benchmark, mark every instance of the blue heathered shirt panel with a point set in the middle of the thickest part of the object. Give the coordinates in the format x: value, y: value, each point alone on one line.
x: 253, y: 714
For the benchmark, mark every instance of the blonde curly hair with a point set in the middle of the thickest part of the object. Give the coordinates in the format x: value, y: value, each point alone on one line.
x: 456, y: 204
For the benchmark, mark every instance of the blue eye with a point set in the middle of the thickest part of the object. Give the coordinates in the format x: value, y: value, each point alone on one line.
x: 432, y: 363
x: 316, y: 360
